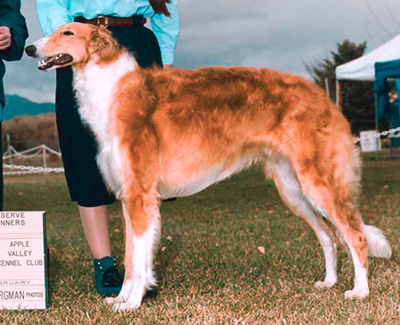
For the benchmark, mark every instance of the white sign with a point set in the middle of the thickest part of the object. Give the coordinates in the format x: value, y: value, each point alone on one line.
x: 23, y: 260
x: 370, y: 141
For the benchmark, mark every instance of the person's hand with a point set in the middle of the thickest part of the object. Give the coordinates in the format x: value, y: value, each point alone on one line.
x: 5, y: 38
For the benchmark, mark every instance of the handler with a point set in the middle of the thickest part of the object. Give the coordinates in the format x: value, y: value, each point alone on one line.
x: 126, y: 20
x: 13, y: 33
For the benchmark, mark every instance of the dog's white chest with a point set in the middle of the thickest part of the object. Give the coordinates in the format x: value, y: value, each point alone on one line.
x: 95, y: 87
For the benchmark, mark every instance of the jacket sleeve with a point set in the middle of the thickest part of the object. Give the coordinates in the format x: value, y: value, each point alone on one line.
x: 166, y: 30
x: 52, y: 14
x: 11, y: 17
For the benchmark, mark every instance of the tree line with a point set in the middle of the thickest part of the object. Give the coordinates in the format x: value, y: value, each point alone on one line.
x: 358, y: 96
x: 25, y: 132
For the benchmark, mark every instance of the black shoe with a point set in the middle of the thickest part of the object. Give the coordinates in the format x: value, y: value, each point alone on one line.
x: 108, y: 279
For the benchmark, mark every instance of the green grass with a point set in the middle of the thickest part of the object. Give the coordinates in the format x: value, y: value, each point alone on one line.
x: 208, y: 265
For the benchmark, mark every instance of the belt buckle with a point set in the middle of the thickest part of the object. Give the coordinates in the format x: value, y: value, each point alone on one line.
x: 102, y: 20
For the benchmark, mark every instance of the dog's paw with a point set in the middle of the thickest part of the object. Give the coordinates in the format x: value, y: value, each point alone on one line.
x: 324, y: 284
x: 357, y: 293
x: 123, y: 295
x: 112, y: 300
x: 125, y: 306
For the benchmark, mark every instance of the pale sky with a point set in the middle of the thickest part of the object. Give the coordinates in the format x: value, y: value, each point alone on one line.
x: 277, y: 34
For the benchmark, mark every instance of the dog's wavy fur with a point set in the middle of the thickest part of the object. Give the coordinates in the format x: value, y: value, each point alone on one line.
x: 164, y: 133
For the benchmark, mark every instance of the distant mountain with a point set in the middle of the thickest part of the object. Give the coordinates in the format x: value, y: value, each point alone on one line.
x: 21, y: 106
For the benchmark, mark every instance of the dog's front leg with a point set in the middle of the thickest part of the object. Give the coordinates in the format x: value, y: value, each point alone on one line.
x: 127, y: 285
x: 142, y: 223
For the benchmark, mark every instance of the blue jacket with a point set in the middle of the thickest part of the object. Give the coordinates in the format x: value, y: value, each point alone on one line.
x: 11, y: 17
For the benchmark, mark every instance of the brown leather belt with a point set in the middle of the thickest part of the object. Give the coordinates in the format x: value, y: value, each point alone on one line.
x: 110, y: 21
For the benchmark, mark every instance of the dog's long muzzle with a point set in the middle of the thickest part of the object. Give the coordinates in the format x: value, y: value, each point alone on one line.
x: 48, y: 62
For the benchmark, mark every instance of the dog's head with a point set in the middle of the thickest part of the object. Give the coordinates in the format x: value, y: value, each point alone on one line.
x: 74, y: 44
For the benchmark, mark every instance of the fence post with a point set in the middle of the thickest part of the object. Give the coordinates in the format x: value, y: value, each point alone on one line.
x: 44, y: 156
x: 8, y: 146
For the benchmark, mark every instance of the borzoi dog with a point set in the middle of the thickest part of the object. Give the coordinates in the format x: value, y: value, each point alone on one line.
x: 165, y: 133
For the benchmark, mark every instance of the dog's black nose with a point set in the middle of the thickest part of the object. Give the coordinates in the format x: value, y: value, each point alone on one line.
x: 30, y: 50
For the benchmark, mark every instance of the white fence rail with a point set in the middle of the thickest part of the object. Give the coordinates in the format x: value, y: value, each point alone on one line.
x: 41, y: 151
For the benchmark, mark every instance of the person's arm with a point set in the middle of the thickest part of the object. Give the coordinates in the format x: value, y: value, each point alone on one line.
x: 166, y: 30
x: 52, y: 14
x: 13, y: 30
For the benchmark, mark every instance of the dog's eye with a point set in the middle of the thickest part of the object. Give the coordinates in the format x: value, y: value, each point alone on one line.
x: 68, y: 33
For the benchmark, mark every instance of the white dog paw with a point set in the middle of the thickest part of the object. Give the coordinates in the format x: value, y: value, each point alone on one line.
x: 125, y: 306
x: 112, y: 300
x: 109, y: 300
x: 123, y: 295
x: 357, y: 293
x: 324, y: 284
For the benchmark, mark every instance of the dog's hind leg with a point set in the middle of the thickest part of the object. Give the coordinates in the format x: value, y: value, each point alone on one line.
x: 291, y: 193
x: 329, y: 177
x: 347, y: 220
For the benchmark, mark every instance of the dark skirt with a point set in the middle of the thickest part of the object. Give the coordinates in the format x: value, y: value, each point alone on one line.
x: 77, y: 142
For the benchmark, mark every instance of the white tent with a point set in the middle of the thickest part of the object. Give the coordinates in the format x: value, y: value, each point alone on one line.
x: 363, y: 67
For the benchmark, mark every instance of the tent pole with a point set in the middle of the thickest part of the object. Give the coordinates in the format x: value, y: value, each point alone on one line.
x: 327, y: 87
x: 339, y: 95
x: 377, y: 126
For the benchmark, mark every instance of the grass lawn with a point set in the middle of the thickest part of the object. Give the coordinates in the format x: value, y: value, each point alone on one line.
x: 209, y: 265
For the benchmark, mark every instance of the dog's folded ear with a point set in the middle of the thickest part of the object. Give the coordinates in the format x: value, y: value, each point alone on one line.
x: 103, y: 44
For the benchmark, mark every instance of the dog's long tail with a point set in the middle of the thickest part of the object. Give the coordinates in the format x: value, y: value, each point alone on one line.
x: 378, y: 246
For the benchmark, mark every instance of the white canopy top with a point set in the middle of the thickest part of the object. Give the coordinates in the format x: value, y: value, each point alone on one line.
x: 363, y: 67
